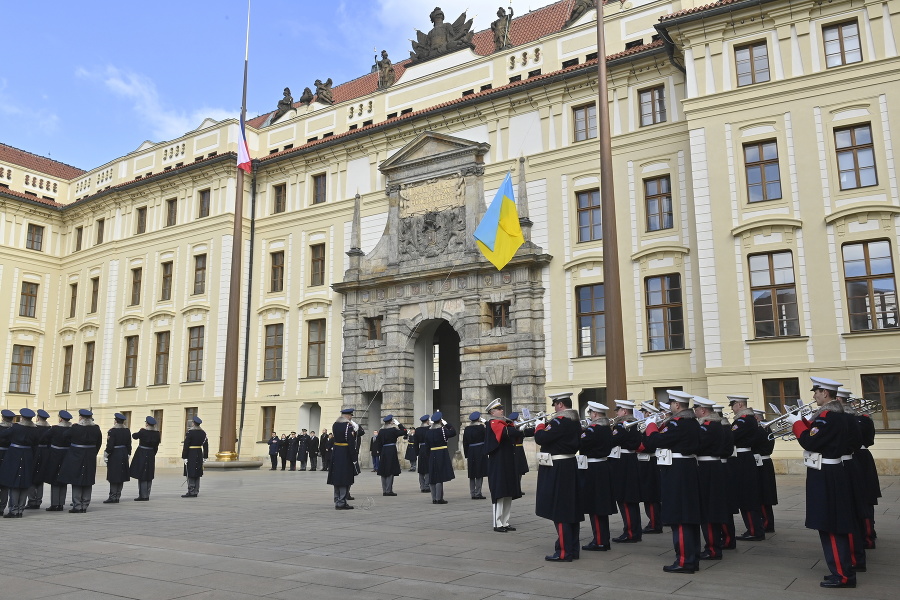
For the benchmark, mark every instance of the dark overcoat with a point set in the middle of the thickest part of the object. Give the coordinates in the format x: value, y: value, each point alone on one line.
x: 768, y: 487
x: 473, y: 449
x: 79, y: 467
x: 625, y: 469
x: 864, y: 456
x: 557, y: 495
x: 195, y: 449
x: 440, y: 466
x: 595, y: 482
x: 386, y: 442
x: 680, y: 481
x: 745, y: 493
x: 143, y: 465
x: 714, y: 499
x: 41, y: 455
x: 342, y: 472
x: 58, y: 441
x: 421, y: 448
x: 118, y: 449
x: 503, y: 476
x: 17, y: 469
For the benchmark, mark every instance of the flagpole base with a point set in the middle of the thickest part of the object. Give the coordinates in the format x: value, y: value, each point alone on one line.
x: 226, y: 456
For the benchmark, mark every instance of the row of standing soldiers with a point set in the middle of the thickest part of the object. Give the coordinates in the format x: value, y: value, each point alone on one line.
x: 292, y: 448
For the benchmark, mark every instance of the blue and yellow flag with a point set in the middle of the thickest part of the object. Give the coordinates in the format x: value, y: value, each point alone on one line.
x: 499, y: 235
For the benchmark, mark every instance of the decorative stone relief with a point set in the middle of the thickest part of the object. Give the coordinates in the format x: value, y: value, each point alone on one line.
x: 433, y: 234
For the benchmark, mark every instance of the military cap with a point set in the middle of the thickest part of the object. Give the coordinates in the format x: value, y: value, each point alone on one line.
x: 514, y: 416
x: 596, y: 406
x: 437, y: 416
x: 495, y: 403
x: 561, y: 396
x: 424, y: 418
x: 347, y: 411
x: 843, y: 392
x: 85, y: 413
x: 825, y: 384
x: 197, y: 420
x: 388, y: 418
x: 679, y: 396
x: 626, y: 404
x: 64, y: 414
x: 43, y: 413
x: 733, y: 399
x: 27, y: 413
x: 119, y: 417
x: 475, y: 416
x: 150, y: 421
x: 701, y: 401
x: 8, y: 413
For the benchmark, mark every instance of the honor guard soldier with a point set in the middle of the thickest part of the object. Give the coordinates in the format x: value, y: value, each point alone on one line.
x: 557, y: 497
x: 595, y: 485
x: 744, y: 471
x: 59, y: 441
x: 143, y: 465
x: 626, y: 472
x: 412, y: 453
x: 18, y: 464
x: 676, y: 441
x: 829, y: 501
x: 440, y: 466
x: 303, y: 448
x: 36, y: 491
x: 118, y: 449
x: 422, y: 453
x: 714, y: 507
x: 473, y: 449
x: 503, y: 475
x: 79, y: 467
x: 6, y: 424
x: 342, y: 470
x: 863, y: 458
x: 194, y: 453
x: 389, y: 465
x: 768, y: 486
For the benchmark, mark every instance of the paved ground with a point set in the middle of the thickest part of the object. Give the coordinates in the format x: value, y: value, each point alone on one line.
x: 264, y: 534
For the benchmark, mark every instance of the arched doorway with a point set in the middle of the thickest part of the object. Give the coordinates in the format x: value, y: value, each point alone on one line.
x: 310, y: 417
x: 437, y: 370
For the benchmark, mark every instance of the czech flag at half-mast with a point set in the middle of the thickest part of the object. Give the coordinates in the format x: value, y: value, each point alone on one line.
x: 243, y: 160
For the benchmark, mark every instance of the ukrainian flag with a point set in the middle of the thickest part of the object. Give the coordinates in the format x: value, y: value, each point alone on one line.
x: 499, y: 235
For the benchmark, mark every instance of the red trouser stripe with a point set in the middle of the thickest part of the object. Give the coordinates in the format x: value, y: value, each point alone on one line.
x: 837, y: 558
x: 598, y: 535
x: 850, y: 537
x: 562, y: 541
x: 681, y: 551
x: 628, y: 524
x: 765, y: 516
x: 653, y: 523
x: 712, y: 539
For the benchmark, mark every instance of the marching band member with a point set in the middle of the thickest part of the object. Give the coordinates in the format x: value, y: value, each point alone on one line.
x: 473, y: 450
x: 503, y: 476
x: 143, y: 465
x: 440, y: 466
x: 863, y: 456
x: 676, y: 444
x: 728, y: 534
x: 626, y: 472
x: 557, y: 483
x: 386, y: 442
x: 829, y: 503
x: 596, y: 481
x: 118, y: 449
x: 422, y: 453
x: 342, y: 471
x: 714, y: 509
x: 744, y: 472
x: 768, y: 486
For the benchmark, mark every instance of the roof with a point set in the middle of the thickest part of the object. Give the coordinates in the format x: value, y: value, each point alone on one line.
x: 6, y: 192
x: 698, y: 9
x: 33, y: 162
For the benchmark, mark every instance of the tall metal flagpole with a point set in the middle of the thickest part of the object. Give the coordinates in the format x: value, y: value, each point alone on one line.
x: 227, y: 430
x: 616, y: 385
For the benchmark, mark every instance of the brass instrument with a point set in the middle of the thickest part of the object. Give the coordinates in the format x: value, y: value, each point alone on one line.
x: 781, y: 427
x: 541, y: 416
x: 865, y: 405
x: 655, y: 415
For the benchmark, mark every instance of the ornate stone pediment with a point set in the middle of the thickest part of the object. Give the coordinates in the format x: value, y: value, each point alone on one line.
x: 433, y: 148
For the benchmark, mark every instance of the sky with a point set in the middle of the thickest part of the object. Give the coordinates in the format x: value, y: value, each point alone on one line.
x: 90, y: 81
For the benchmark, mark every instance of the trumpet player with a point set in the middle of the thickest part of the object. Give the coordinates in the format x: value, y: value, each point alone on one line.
x: 768, y: 486
x: 595, y: 482
x: 864, y: 458
x: 744, y: 472
x: 440, y: 466
x: 626, y: 472
x: 503, y: 477
x: 714, y: 508
x: 473, y: 450
x: 386, y: 442
x: 857, y: 476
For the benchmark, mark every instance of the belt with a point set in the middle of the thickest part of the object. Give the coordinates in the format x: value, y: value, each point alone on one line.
x: 191, y: 447
x: 707, y: 458
x: 52, y: 447
x: 561, y: 456
x: 478, y: 444
x: 624, y: 451
x: 832, y: 461
x: 724, y: 461
x: 42, y: 445
x: 82, y: 446
x: 341, y: 444
x: 766, y: 456
x: 439, y: 448
x: 145, y: 448
x: 420, y: 444
x: 680, y: 455
x: 847, y: 457
x: 4, y: 448
x: 114, y: 447
x: 590, y: 460
x: 386, y: 445
x: 18, y: 446
x: 742, y: 449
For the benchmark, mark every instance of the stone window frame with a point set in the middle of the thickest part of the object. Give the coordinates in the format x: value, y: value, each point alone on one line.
x: 171, y: 212
x: 775, y: 391
x: 586, y: 132
x: 660, y: 196
x: 591, y: 210
x: 140, y: 220
x: 279, y: 198
x: 196, y: 347
x: 34, y: 237
x: 316, y: 347
x: 161, y: 357
x: 772, y: 286
x: 273, y: 368
x: 842, y: 50
x: 204, y: 201
x: 95, y: 295
x: 656, y: 102
x: 137, y: 277
x: 132, y: 347
x: 21, y: 369
x: 868, y: 278
x: 28, y: 299
x: 880, y: 394
x: 200, y: 268
x: 167, y: 274
x: 319, y: 188
x: 753, y: 72
x: 665, y: 305
x: 276, y: 279
x: 854, y: 150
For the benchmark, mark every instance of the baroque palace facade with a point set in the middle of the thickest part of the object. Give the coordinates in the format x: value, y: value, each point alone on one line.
x: 758, y: 224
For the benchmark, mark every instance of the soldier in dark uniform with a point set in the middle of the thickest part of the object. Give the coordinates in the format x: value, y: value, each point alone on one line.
x: 440, y: 466
x: 291, y: 452
x: 326, y: 448
x: 59, y: 441
x: 422, y: 453
x: 194, y: 453
x: 596, y: 483
x: 858, y: 485
x: 473, y: 450
x: 118, y: 449
x: 768, y: 486
x: 274, y: 444
x: 36, y: 491
x: 312, y: 450
x: 283, y: 451
x: 519, y: 448
x: 143, y: 465
x: 503, y: 476
x: 829, y: 501
x: 650, y: 490
x: 412, y: 452
x: 744, y: 471
x: 714, y: 507
x: 728, y: 535
x: 6, y: 424
x: 389, y: 465
x: 18, y: 464
x: 374, y: 451
x: 303, y: 449
x: 873, y: 487
x: 79, y: 467
x: 557, y: 497
x: 626, y: 472
x: 676, y: 445
x: 342, y: 470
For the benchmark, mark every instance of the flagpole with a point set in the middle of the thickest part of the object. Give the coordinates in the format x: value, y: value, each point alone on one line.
x: 227, y: 430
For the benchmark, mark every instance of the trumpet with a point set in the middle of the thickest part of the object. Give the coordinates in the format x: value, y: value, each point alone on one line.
x: 865, y: 405
x: 541, y: 416
x: 781, y: 427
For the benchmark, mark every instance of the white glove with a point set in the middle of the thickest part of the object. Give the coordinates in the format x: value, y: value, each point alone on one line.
x: 524, y: 426
x: 185, y: 460
x: 792, y: 418
x: 355, y: 425
x: 396, y: 423
x: 205, y: 459
x: 443, y: 422
x: 106, y: 458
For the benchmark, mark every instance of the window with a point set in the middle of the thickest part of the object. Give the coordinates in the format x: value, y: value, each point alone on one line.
x: 67, y: 369
x: 131, y: 354
x: 653, y: 105
x: 20, y: 369
x: 856, y: 157
x: 782, y: 393
x: 665, y: 321
x: 158, y: 415
x: 842, y: 44
x: 658, y: 200
x: 141, y: 218
x: 315, y: 351
x: 195, y: 353
x: 200, y: 274
x: 171, y: 212
x: 277, y: 272
x: 73, y: 299
x: 34, y: 238
x: 752, y: 62
x: 161, y: 368
x: 95, y: 294
x: 274, y: 346
x: 774, y: 295
x: 101, y: 225
x: 88, y: 367
x: 317, y: 274
x: 280, y: 192
x: 763, y: 174
x: 79, y: 235
x: 268, y: 422
x: 28, y: 300
x: 871, y: 290
x: 499, y: 314
x: 189, y: 414
x: 373, y: 325
x: 591, y: 320
x: 319, y: 188
x: 585, y: 122
x: 165, y: 292
x: 204, y: 204
x: 589, y: 222
x: 885, y: 388
x: 136, y: 276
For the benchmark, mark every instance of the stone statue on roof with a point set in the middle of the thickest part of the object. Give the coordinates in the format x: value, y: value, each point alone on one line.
x: 307, y: 96
x: 284, y: 105
x: 323, y: 92
x: 501, y: 28
x: 443, y: 38
x: 386, y: 74
x: 578, y: 11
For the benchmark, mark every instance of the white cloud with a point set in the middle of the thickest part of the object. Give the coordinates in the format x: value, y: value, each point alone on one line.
x: 42, y: 120
x: 166, y: 123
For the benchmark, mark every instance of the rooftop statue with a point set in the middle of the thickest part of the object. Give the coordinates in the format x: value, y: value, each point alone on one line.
x: 386, y: 74
x: 307, y: 96
x: 443, y: 38
x: 323, y: 92
x: 578, y: 11
x: 284, y: 105
x: 501, y: 29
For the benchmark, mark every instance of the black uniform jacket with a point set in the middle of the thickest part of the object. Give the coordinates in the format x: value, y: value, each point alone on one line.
x: 680, y: 481
x: 864, y: 456
x: 421, y: 448
x: 274, y: 444
x: 343, y: 461
x: 58, y: 443
x: 500, y: 442
x: 596, y: 486
x: 17, y: 469
x: 714, y: 504
x: 473, y: 449
x: 312, y: 447
x: 768, y: 488
x: 440, y: 466
x: 41, y: 455
x: 557, y: 496
x: 744, y: 473
x: 79, y: 467
x: 118, y: 449
x: 195, y: 449
x: 625, y: 470
x: 143, y: 465
x: 386, y: 441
